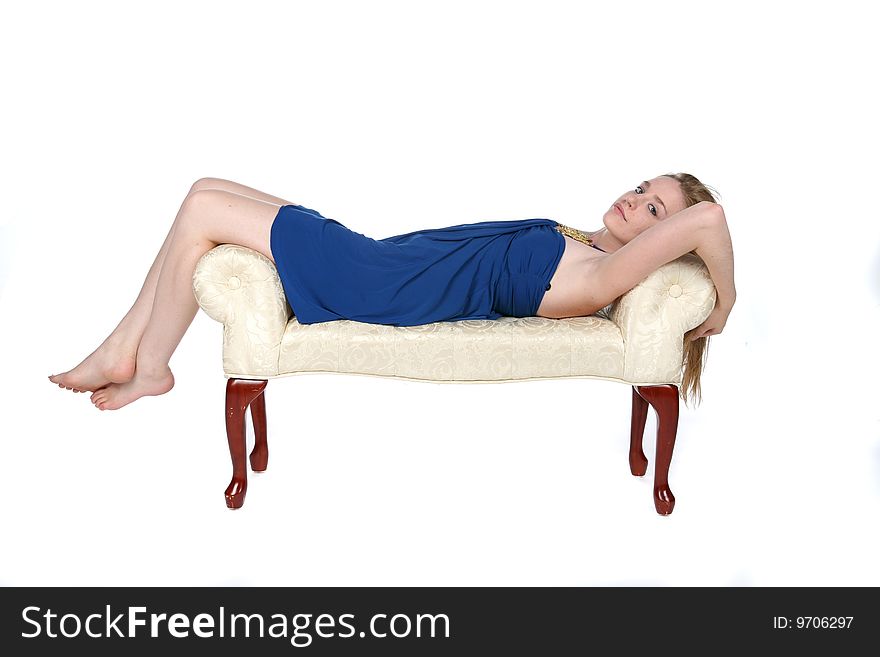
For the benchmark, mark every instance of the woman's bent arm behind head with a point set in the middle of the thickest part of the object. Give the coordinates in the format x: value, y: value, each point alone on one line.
x: 716, y: 250
x: 694, y: 229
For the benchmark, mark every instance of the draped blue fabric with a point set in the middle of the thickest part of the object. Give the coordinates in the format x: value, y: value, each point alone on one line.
x: 481, y: 270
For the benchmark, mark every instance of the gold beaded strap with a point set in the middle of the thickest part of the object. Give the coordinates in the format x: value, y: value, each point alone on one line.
x: 574, y: 233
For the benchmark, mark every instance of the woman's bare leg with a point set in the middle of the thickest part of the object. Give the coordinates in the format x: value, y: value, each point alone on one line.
x: 237, y: 188
x: 206, y: 218
x: 114, y: 360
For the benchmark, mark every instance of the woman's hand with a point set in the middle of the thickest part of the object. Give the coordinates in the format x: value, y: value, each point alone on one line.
x: 713, y: 325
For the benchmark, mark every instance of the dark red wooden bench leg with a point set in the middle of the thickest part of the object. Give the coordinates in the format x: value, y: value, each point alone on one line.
x: 260, y: 453
x: 239, y: 394
x: 638, y: 462
x: 664, y: 400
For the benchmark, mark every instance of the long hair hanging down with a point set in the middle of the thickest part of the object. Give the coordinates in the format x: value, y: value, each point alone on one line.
x: 696, y: 352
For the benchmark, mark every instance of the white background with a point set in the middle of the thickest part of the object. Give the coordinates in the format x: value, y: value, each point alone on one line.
x: 396, y: 116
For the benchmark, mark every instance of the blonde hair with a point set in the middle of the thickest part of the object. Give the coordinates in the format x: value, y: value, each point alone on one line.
x: 696, y: 352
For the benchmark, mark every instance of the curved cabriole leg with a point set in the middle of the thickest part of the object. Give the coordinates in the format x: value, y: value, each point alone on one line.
x: 239, y: 393
x: 638, y: 462
x: 664, y: 399
x: 260, y: 453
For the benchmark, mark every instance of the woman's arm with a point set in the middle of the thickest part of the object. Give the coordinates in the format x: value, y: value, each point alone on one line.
x: 716, y: 250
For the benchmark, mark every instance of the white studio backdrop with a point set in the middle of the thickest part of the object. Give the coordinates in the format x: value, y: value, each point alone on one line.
x: 395, y: 116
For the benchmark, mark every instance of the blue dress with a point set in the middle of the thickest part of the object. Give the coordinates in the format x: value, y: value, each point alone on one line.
x: 481, y: 270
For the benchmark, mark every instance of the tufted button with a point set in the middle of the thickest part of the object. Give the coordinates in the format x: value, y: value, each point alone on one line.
x: 234, y: 282
x: 547, y: 288
x: 675, y: 291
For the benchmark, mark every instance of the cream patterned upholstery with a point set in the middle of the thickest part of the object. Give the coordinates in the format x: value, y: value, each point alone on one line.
x: 636, y: 340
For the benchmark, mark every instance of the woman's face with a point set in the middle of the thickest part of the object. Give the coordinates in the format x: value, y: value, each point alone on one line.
x: 644, y: 206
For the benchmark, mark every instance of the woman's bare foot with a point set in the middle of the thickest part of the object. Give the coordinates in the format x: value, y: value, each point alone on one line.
x: 117, y: 395
x: 107, y: 364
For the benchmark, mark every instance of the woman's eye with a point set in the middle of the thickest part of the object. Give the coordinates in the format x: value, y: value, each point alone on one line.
x: 651, y: 207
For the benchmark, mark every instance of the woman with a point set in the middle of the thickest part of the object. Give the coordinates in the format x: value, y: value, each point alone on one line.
x: 482, y: 270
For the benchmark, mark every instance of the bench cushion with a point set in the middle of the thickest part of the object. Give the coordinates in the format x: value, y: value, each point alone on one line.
x: 467, y: 350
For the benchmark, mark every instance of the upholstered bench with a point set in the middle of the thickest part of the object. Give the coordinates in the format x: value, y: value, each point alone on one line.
x: 637, y: 340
